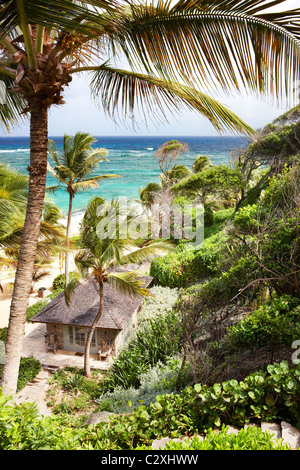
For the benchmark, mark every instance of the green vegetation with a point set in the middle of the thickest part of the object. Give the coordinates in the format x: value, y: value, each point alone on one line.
x: 29, y: 369
x: 265, y: 395
x: 213, y: 345
x: 247, y: 439
x: 274, y: 323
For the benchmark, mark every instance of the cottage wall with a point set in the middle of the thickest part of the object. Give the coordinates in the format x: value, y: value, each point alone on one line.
x: 106, y: 338
x: 57, y: 331
x: 127, y: 330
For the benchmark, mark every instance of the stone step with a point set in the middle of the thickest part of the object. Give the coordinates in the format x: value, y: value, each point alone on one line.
x: 285, y: 431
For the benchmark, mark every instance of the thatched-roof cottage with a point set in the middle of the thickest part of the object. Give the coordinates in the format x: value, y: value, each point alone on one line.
x: 67, y: 327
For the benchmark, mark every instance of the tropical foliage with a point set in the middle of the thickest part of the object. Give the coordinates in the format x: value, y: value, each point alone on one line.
x: 172, y: 49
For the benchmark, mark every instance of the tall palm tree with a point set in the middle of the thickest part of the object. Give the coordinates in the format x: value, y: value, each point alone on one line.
x: 171, y: 50
x: 74, y: 168
x: 102, y: 256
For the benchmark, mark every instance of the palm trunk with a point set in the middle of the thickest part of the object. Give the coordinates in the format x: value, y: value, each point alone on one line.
x: 87, y: 370
x: 67, y: 258
x: 23, y: 278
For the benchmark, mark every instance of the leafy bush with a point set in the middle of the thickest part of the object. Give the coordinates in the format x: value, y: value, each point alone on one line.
x: 162, y: 302
x: 21, y: 430
x: 159, y: 379
x: 29, y: 369
x: 268, y: 395
x: 186, y: 266
x: 247, y: 439
x: 265, y: 395
x: 3, y: 334
x: 59, y: 281
x: 276, y: 322
x: 219, y: 291
x: 156, y: 340
x: 223, y: 215
x: 36, y: 308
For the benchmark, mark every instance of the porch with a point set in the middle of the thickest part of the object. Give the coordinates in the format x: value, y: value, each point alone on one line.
x: 34, y: 345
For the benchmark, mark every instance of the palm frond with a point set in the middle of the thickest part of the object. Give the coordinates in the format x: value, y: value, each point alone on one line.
x: 78, y: 16
x: 69, y: 290
x: 158, y: 247
x: 128, y: 283
x: 11, y: 105
x: 123, y: 92
x: 233, y: 44
x: 92, y: 183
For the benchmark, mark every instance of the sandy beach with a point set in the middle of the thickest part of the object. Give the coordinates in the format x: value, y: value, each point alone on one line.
x: 56, y: 268
x: 5, y: 298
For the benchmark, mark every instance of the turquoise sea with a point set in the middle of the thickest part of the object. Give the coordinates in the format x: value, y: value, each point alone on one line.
x: 130, y: 157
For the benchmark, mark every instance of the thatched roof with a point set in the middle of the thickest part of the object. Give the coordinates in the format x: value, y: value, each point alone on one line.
x: 84, y: 306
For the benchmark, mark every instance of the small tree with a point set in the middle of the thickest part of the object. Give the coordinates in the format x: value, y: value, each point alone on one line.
x: 218, y: 181
x: 166, y: 154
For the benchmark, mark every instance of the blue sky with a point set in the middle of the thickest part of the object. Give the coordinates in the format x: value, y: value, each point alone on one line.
x: 80, y: 114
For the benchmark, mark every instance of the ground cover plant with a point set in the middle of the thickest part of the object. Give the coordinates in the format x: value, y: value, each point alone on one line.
x: 268, y: 395
x: 247, y: 439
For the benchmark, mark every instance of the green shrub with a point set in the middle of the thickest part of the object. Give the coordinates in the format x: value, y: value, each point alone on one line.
x: 223, y: 215
x: 29, y: 369
x: 157, y: 380
x: 156, y: 340
x: 276, y: 322
x: 161, y: 302
x: 187, y: 266
x: 269, y: 395
x: 247, y: 439
x: 3, y: 334
x: 59, y: 281
x: 35, y: 308
x: 20, y: 429
x: 209, y: 216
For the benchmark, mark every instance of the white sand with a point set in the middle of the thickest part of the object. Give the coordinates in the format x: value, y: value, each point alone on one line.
x: 5, y: 298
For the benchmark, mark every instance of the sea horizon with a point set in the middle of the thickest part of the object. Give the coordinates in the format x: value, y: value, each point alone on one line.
x: 131, y: 157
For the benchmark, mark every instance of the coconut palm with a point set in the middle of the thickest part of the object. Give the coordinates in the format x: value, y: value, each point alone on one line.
x: 74, y: 168
x: 172, y: 50
x: 101, y: 256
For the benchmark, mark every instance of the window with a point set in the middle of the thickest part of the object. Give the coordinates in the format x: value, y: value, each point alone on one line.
x: 75, y: 338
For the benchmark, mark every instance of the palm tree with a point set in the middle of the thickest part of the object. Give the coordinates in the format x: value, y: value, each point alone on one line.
x: 102, y: 256
x: 171, y: 49
x: 74, y: 168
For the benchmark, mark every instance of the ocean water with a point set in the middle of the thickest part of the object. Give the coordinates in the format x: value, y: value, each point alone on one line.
x: 130, y: 157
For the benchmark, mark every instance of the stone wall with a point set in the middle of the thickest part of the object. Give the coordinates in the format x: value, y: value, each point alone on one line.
x: 57, y: 331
